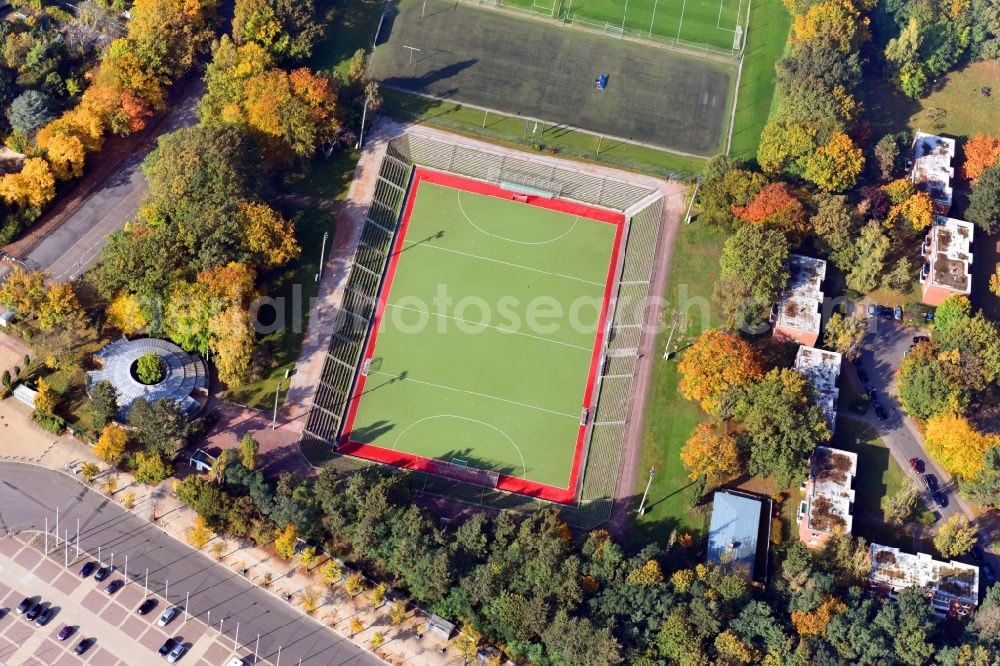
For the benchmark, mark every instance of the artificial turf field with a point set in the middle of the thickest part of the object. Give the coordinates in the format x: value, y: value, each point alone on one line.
x: 522, y: 66
x: 486, y: 341
x: 690, y: 22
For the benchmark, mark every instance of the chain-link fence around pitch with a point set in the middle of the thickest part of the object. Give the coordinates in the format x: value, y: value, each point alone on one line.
x: 643, y: 207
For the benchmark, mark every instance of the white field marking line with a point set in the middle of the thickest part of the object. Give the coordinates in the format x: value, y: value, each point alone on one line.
x: 524, y: 467
x: 681, y: 21
x: 718, y: 23
x: 458, y: 193
x: 505, y: 263
x: 476, y: 393
x: 479, y: 323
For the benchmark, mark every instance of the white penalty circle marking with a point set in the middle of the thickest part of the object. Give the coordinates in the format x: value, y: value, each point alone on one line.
x: 458, y: 193
x: 524, y: 467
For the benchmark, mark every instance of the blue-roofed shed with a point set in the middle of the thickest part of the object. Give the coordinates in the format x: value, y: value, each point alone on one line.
x: 735, y: 529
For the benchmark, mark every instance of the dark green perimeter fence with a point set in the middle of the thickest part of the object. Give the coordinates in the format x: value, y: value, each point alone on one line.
x: 643, y: 208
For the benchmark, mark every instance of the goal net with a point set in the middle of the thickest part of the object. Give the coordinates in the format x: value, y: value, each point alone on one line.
x: 460, y: 470
x: 738, y: 38
x: 614, y: 30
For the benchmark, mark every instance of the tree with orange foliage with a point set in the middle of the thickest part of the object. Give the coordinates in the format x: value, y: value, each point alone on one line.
x: 712, y: 452
x: 713, y: 363
x: 815, y: 622
x: 981, y: 152
x: 955, y: 443
x: 269, y: 237
x: 776, y: 206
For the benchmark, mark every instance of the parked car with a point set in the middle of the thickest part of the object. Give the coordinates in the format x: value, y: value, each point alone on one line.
x: 102, y: 573
x: 45, y: 616
x: 114, y: 586
x: 862, y: 375
x: 928, y: 316
x: 35, y: 611
x: 176, y: 653
x: 65, y: 632
x: 885, y: 312
x: 977, y: 554
x: 23, y: 606
x: 917, y: 465
x: 88, y: 569
x: 988, y: 574
x: 917, y: 339
x: 873, y: 309
x: 168, y: 616
x: 146, y: 606
x: 83, y: 645
x: 897, y: 313
x: 940, y: 499
x: 880, y: 412
x: 930, y: 482
x: 167, y: 646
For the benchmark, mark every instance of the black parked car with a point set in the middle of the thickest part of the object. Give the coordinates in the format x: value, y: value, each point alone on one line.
x: 941, y: 499
x: 146, y: 606
x: 102, y: 573
x: 23, y: 606
x: 930, y: 482
x: 114, y: 586
x: 917, y: 339
x: 167, y: 646
x: 88, y: 569
x: 83, y: 645
x: 977, y: 554
x: 35, y: 611
x: 45, y: 616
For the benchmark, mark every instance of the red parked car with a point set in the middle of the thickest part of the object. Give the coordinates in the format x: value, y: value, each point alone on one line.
x: 917, y: 464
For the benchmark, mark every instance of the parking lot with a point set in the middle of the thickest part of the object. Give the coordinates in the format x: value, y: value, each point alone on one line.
x: 119, y: 636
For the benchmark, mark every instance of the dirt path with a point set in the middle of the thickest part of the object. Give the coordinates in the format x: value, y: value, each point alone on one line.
x: 625, y: 501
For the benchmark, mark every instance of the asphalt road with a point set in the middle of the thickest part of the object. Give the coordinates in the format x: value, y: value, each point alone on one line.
x: 29, y: 494
x: 884, y: 347
x: 77, y: 243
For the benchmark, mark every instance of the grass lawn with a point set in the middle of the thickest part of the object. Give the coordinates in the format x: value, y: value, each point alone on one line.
x: 353, y: 27
x: 879, y: 477
x: 670, y: 418
x: 966, y: 110
x: 509, y: 131
x: 769, y: 26
x: 292, y: 286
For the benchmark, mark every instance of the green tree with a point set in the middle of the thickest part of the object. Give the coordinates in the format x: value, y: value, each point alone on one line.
x: 103, y: 402
x: 845, y: 334
x: 726, y: 183
x: 836, y: 228
x: 29, y: 111
x: 150, y: 468
x: 288, y: 29
x: 249, y: 448
x: 985, y: 488
x: 900, y: 507
x: 149, y: 369
x: 752, y: 270
x: 887, y: 152
x: 782, y: 424
x: 160, y: 427
x: 984, y: 204
x: 953, y: 309
x: 955, y: 537
x: 929, y: 384
x: 871, y: 249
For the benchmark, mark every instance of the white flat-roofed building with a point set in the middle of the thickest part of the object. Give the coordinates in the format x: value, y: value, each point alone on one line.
x: 799, y: 312
x: 947, y: 252
x: 829, y: 495
x: 823, y: 368
x: 952, y: 587
x: 932, y: 171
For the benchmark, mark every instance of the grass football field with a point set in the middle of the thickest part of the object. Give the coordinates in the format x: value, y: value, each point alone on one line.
x: 693, y: 23
x: 487, y: 336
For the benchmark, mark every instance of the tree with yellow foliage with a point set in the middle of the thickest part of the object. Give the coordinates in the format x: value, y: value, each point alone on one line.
x: 837, y: 22
x: 111, y: 444
x: 955, y: 537
x: 954, y: 442
x: 46, y: 399
x: 32, y: 187
x: 286, y: 541
x: 648, y: 575
x: 24, y: 292
x: 915, y: 213
x: 267, y: 236
x: 199, y: 533
x: 65, y: 153
x: 711, y: 452
x: 60, y: 307
x: 836, y: 166
x: 125, y: 313
x: 733, y: 649
x: 232, y: 340
x: 815, y: 622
